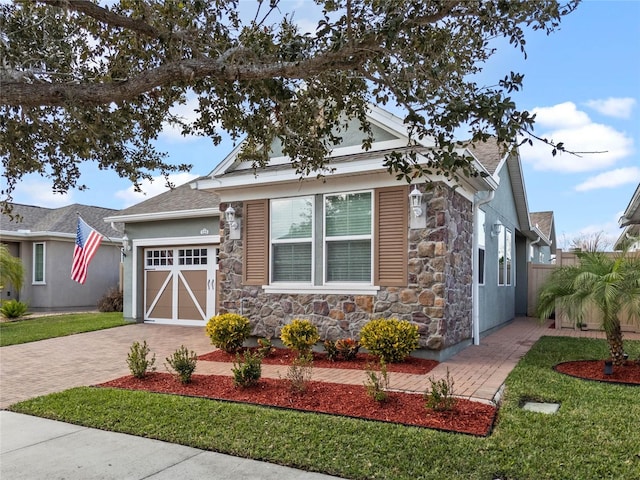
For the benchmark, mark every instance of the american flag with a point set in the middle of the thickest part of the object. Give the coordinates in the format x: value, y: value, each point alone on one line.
x: 87, y: 243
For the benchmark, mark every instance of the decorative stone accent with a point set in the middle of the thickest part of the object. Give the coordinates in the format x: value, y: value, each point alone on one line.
x: 437, y: 297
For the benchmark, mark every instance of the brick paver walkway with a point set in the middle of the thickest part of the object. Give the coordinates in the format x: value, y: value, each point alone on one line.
x: 57, y: 364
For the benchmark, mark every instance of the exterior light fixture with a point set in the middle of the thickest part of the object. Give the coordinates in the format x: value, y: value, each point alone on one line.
x: 416, y: 201
x: 418, y: 217
x: 230, y: 217
x: 496, y: 228
x: 126, y: 245
x: 234, y: 223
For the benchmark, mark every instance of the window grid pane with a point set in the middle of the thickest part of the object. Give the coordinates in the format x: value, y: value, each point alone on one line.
x: 291, y: 262
x: 348, y: 214
x: 349, y: 261
x: 38, y: 268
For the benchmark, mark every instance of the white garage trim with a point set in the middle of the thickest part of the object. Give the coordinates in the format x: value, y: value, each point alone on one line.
x: 213, y: 240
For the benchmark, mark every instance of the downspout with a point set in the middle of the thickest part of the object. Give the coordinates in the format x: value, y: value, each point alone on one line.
x: 477, y: 203
x: 532, y: 244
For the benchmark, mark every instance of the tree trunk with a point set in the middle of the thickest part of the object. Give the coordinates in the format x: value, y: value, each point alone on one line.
x: 614, y: 338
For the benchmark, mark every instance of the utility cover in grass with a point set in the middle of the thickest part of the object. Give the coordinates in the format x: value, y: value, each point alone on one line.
x: 548, y: 408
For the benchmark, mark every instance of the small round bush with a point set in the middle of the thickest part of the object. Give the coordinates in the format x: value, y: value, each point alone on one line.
x: 300, y: 335
x: 228, y: 331
x: 389, y: 338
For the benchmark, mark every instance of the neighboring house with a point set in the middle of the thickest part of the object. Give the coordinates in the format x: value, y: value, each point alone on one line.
x: 630, y: 223
x: 543, y: 249
x: 338, y: 250
x: 170, y: 263
x: 44, y: 239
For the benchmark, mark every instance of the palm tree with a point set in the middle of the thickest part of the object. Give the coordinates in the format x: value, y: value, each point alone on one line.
x: 11, y: 269
x: 610, y: 283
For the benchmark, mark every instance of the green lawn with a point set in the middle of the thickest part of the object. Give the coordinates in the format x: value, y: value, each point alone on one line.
x: 594, y: 435
x: 33, y: 329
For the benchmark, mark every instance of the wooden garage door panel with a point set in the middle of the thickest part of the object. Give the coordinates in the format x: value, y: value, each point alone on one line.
x: 196, y: 282
x: 155, y: 280
x: 164, y: 304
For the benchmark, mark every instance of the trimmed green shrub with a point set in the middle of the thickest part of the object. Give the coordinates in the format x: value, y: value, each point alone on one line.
x: 111, y: 301
x: 137, y: 359
x: 377, y: 382
x: 13, y: 309
x: 183, y: 363
x: 299, y: 373
x: 265, y: 347
x: 347, y: 348
x: 228, y: 331
x: 342, y: 349
x: 300, y: 335
x: 440, y: 397
x: 248, y: 370
x: 331, y: 350
x: 389, y: 338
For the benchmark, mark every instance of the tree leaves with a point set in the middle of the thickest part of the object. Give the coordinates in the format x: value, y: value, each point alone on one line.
x: 82, y: 82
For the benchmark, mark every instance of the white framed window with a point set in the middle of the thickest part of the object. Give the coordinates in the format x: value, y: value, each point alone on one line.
x: 322, y: 239
x: 481, y: 246
x: 161, y: 257
x: 347, y: 237
x: 292, y: 235
x: 193, y: 256
x: 39, y: 263
x: 505, y: 257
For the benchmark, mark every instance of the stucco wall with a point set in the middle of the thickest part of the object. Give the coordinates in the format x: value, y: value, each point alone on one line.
x: 59, y: 291
x: 497, y: 302
x: 437, y: 297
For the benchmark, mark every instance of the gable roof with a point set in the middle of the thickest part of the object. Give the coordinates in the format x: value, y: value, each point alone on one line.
x: 630, y: 220
x: 544, y: 223
x: 183, y: 201
x: 631, y: 215
x: 30, y: 221
x: 344, y: 160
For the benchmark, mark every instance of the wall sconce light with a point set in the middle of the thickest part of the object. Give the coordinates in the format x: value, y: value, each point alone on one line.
x: 416, y: 201
x: 496, y: 228
x: 126, y: 245
x: 234, y: 223
x: 418, y: 217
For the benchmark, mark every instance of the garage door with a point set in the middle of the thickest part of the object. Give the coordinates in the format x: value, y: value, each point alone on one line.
x: 179, y: 284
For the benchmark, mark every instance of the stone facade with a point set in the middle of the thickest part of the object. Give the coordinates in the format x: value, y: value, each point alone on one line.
x: 437, y: 297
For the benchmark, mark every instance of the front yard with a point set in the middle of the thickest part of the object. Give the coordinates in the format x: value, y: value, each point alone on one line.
x: 28, y: 329
x: 594, y: 435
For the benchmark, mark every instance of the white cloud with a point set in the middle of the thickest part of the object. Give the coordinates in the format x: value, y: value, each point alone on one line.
x: 40, y: 194
x: 608, y: 233
x: 611, y: 179
x: 613, y: 107
x: 563, y: 115
x: 598, y: 146
x: 151, y: 189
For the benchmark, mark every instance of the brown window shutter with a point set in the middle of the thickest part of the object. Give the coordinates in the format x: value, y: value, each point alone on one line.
x: 391, y: 237
x: 255, y: 268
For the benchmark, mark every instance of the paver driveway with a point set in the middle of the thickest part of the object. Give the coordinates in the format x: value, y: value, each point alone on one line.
x: 56, y: 364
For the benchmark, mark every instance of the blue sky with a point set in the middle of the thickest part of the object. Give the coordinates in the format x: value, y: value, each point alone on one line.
x: 583, y: 81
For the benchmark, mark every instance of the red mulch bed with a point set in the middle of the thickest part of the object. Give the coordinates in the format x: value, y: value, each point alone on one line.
x: 628, y: 374
x: 468, y: 417
x: 284, y: 356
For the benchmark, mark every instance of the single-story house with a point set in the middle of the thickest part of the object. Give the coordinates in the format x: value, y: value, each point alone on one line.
x: 543, y: 249
x: 630, y: 223
x: 44, y: 239
x: 340, y: 250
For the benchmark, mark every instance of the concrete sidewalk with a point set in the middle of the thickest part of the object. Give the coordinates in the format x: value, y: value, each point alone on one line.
x: 34, y: 448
